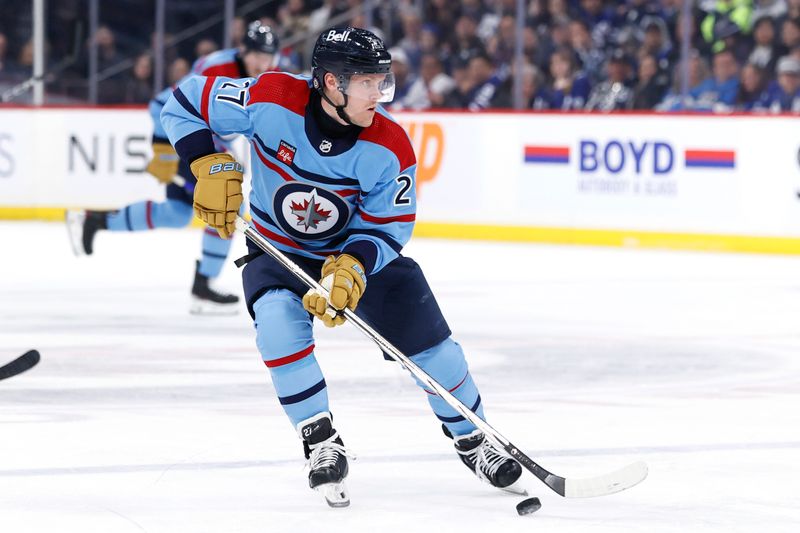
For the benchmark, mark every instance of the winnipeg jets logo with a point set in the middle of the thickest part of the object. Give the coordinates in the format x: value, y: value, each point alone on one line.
x: 309, y: 214
x: 325, y: 146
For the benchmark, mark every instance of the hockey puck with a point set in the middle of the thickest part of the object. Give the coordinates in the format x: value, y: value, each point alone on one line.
x: 529, y: 506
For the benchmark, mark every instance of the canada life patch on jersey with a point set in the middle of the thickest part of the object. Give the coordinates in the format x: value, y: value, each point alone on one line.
x: 309, y: 212
x: 286, y: 152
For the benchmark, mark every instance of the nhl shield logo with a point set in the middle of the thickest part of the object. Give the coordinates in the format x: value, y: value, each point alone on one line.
x: 308, y: 212
x: 325, y: 146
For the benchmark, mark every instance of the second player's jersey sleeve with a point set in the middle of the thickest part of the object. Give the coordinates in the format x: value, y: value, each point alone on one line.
x: 155, y: 107
x: 201, y: 105
x: 385, y: 218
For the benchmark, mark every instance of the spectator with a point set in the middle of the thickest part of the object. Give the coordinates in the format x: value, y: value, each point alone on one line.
x: 461, y: 94
x: 751, y: 93
x: 652, y: 83
x: 410, y: 43
x: 793, y: 9
x: 728, y: 18
x: 698, y: 73
x: 790, y: 35
x: 4, y: 66
x: 466, y: 43
x: 534, y: 95
x: 178, y: 69
x: 600, y: 19
x: 139, y: 88
x: 402, y: 73
x: 783, y: 94
x: 204, y: 47
x: 559, y: 33
x: 238, y: 29
x: 568, y: 90
x: 485, y: 80
x: 591, y: 57
x: 430, y: 88
x: 656, y: 41
x: 764, y: 54
x: 292, y: 17
x: 718, y: 93
x: 614, y: 93
x: 501, y: 46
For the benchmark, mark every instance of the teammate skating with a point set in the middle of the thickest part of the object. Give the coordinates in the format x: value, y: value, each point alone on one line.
x: 259, y: 52
x: 333, y: 178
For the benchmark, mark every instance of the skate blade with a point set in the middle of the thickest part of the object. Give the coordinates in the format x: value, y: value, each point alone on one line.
x: 74, y: 221
x: 204, y: 307
x: 335, y: 494
x: 515, y: 488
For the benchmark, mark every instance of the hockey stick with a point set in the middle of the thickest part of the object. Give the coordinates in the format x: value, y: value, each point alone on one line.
x: 19, y: 365
x: 610, y: 483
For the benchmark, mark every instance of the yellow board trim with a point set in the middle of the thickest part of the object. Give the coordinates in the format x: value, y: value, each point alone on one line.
x: 486, y: 232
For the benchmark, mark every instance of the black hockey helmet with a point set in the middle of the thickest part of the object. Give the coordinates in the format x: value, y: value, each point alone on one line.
x: 347, y: 51
x: 260, y: 38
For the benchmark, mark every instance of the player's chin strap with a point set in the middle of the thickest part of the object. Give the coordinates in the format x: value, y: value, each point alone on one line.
x: 339, y: 108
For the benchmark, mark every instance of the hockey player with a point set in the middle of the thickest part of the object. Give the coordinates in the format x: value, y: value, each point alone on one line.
x: 333, y: 187
x: 257, y: 53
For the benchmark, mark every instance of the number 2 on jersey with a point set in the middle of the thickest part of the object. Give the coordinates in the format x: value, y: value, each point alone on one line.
x: 405, y: 183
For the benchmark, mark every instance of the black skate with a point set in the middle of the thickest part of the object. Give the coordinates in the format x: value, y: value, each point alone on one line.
x: 489, y: 462
x: 327, y: 459
x: 207, y: 301
x: 82, y: 227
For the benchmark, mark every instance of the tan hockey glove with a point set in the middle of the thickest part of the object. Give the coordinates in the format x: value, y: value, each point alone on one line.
x: 344, y: 279
x: 218, y: 193
x: 164, y: 164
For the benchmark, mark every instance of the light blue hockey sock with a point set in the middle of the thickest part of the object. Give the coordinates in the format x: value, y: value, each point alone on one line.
x: 445, y: 363
x: 150, y: 215
x: 215, y: 252
x: 284, y: 337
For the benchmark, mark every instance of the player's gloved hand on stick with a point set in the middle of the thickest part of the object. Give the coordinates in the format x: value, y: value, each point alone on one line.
x: 344, y: 278
x: 218, y: 193
x: 164, y: 164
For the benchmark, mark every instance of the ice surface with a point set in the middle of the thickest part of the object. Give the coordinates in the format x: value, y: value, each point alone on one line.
x: 141, y: 417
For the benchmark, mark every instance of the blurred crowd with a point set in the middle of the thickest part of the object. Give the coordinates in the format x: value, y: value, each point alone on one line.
x: 578, y: 54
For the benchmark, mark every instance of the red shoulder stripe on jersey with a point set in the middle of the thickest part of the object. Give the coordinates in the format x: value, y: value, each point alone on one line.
x: 282, y: 89
x: 272, y: 166
x: 204, y: 102
x: 391, y: 136
x: 228, y: 70
x: 386, y: 220
x: 347, y: 192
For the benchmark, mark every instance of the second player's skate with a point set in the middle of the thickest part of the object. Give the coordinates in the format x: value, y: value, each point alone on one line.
x: 208, y: 301
x: 82, y: 227
x: 490, y: 463
x: 327, y: 459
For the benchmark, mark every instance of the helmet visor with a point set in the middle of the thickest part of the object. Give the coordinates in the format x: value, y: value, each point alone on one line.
x: 370, y: 87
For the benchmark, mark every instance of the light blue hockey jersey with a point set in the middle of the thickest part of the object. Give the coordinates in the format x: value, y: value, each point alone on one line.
x: 312, y: 196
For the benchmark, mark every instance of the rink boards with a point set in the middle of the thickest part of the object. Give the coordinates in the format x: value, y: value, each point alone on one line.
x: 708, y: 182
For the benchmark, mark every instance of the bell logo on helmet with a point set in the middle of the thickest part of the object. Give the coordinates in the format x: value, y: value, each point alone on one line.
x: 337, y: 37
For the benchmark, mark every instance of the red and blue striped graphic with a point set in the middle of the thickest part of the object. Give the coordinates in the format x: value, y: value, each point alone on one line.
x: 710, y: 158
x: 546, y: 154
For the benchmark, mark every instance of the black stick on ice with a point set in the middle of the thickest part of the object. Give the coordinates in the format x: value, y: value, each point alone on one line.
x: 19, y: 365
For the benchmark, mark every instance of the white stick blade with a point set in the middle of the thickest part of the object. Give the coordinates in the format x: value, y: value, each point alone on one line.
x: 617, y: 481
